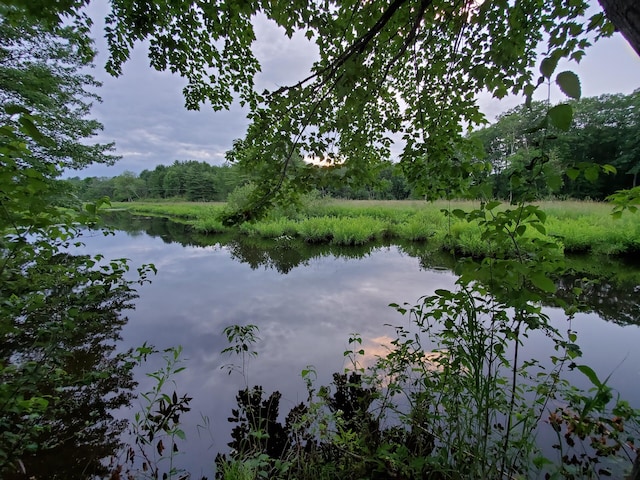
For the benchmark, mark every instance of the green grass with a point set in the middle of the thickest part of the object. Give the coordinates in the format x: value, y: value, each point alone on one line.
x: 579, y: 227
x: 185, y: 210
x: 275, y: 228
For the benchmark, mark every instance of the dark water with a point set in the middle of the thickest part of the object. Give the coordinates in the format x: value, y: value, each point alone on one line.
x: 306, y: 302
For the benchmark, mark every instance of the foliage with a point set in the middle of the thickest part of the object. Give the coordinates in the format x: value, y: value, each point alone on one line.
x: 156, y: 428
x: 61, y: 317
x: 333, y: 436
x: 382, y: 70
x: 603, y: 133
x: 191, y: 180
x: 44, y: 73
x: 61, y: 377
x: 61, y: 311
x: 242, y: 338
x: 578, y: 226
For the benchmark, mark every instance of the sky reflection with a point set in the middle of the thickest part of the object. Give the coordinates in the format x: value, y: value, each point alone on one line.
x: 305, y: 317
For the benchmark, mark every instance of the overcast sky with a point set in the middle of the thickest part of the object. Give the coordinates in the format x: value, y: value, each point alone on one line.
x: 143, y: 110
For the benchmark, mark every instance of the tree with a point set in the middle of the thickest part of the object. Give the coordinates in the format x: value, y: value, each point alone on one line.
x: 155, y: 181
x: 60, y: 315
x: 128, y: 187
x: 603, y: 132
x: 41, y: 72
x: 199, y: 181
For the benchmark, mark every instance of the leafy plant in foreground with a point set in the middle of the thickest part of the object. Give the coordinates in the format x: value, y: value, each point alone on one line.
x: 156, y: 428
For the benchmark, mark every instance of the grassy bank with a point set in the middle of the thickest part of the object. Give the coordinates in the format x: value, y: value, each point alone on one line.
x: 579, y: 227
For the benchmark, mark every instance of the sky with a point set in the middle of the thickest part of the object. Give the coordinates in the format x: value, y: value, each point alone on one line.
x: 143, y: 110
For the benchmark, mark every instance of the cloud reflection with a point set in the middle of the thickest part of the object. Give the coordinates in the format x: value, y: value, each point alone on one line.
x: 305, y: 317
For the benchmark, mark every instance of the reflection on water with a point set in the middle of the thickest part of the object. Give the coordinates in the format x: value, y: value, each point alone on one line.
x: 306, y: 301
x: 610, y: 285
x: 62, y: 349
x: 610, y: 298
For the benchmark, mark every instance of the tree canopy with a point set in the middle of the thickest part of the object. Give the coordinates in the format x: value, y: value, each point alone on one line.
x: 386, y: 70
x: 42, y: 73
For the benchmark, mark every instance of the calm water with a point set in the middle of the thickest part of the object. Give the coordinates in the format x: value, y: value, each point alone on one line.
x: 306, y: 304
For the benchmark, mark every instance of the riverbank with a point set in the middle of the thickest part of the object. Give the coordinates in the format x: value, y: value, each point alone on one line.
x: 578, y: 226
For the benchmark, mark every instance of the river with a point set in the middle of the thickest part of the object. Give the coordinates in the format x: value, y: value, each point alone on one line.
x: 306, y: 304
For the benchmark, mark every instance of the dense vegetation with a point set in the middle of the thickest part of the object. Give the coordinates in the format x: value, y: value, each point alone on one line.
x: 576, y: 226
x: 604, y: 131
x: 61, y: 377
x: 470, y: 409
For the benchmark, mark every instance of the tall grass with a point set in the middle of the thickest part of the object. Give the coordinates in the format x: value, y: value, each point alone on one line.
x: 578, y: 226
x: 186, y: 210
x: 275, y: 228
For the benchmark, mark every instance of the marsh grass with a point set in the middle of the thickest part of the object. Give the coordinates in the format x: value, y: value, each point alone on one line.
x: 278, y: 227
x: 579, y: 226
x: 358, y: 231
x: 185, y: 210
x: 209, y: 225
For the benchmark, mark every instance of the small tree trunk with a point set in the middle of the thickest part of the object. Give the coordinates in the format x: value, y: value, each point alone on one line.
x: 625, y: 15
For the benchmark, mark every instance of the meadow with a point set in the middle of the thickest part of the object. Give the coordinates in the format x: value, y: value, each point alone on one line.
x: 578, y: 226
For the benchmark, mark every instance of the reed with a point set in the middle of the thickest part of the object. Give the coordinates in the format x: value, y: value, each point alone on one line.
x: 579, y: 226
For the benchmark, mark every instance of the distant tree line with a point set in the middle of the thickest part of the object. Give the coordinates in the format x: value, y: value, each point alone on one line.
x: 606, y: 130
x: 191, y: 180
x: 202, y: 182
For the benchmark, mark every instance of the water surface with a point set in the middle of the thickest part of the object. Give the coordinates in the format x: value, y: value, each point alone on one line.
x: 306, y: 305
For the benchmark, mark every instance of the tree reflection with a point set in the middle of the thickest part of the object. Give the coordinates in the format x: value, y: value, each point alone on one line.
x: 611, y: 292
x: 62, y: 378
x: 615, y: 302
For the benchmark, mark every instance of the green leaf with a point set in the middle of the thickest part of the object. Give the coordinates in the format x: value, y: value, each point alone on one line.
x: 572, y: 173
x: 528, y: 92
x: 590, y: 374
x: 458, y: 213
x: 15, y: 109
x: 548, y: 65
x: 540, y: 228
x: 541, y: 281
x: 591, y: 173
x: 30, y: 129
x: 569, y: 83
x: 561, y: 116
